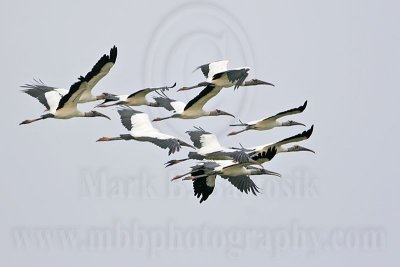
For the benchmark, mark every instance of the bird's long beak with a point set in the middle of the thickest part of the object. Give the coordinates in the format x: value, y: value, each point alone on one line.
x: 267, y: 172
x: 101, y: 105
x: 104, y: 116
x: 296, y: 123
x: 266, y: 83
x: 227, y: 114
x: 297, y: 148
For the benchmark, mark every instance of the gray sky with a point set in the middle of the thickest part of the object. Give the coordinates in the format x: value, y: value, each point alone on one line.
x: 60, y: 190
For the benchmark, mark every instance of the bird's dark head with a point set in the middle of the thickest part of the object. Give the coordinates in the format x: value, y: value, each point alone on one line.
x: 292, y: 123
x: 95, y: 113
x: 257, y: 82
x: 297, y: 148
x: 219, y: 112
x: 104, y: 96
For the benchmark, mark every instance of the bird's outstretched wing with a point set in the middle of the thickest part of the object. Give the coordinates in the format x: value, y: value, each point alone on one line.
x: 235, y: 76
x: 266, y: 154
x: 244, y: 183
x: 71, y: 99
x: 170, y: 104
x: 203, y: 97
x: 210, y: 69
x: 195, y: 136
x: 142, y: 93
x: 126, y: 116
x: 287, y: 112
x: 298, y: 137
x: 140, y: 127
x: 99, y: 70
x: 204, y: 140
x: 204, y: 186
x: 48, y: 96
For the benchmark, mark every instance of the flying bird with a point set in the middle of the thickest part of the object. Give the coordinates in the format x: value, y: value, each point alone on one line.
x: 271, y: 122
x: 209, y: 148
x: 194, y: 108
x: 141, y: 129
x: 218, y: 74
x: 204, y: 174
x: 137, y: 98
x: 259, y: 153
x: 66, y: 107
x: 48, y: 95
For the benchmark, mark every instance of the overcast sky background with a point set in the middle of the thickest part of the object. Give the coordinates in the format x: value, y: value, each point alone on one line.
x: 341, y: 56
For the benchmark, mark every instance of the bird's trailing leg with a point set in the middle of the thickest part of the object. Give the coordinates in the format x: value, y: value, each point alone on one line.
x: 185, y: 88
x: 106, y: 139
x: 180, y: 176
x: 238, y: 132
x: 43, y: 117
x: 160, y: 119
x: 174, y: 161
x: 164, y: 88
x: 104, y: 105
x: 198, y: 176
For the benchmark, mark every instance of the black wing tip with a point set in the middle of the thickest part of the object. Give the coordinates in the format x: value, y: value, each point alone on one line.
x: 101, y: 62
x: 76, y: 85
x: 271, y: 152
x: 303, y: 107
x: 113, y: 54
x: 202, y: 93
x: 309, y: 132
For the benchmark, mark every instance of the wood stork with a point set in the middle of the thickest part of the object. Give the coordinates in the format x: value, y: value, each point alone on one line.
x: 259, y: 153
x: 217, y: 73
x: 137, y: 98
x: 66, y: 107
x: 204, y: 174
x: 139, y: 125
x: 208, y: 147
x: 194, y: 108
x: 46, y: 94
x: 271, y: 122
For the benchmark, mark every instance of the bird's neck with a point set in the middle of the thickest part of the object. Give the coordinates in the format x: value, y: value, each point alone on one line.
x: 253, y: 171
x: 248, y: 83
x: 86, y: 114
x: 281, y: 149
x: 153, y: 104
x: 211, y: 113
x: 104, y: 96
